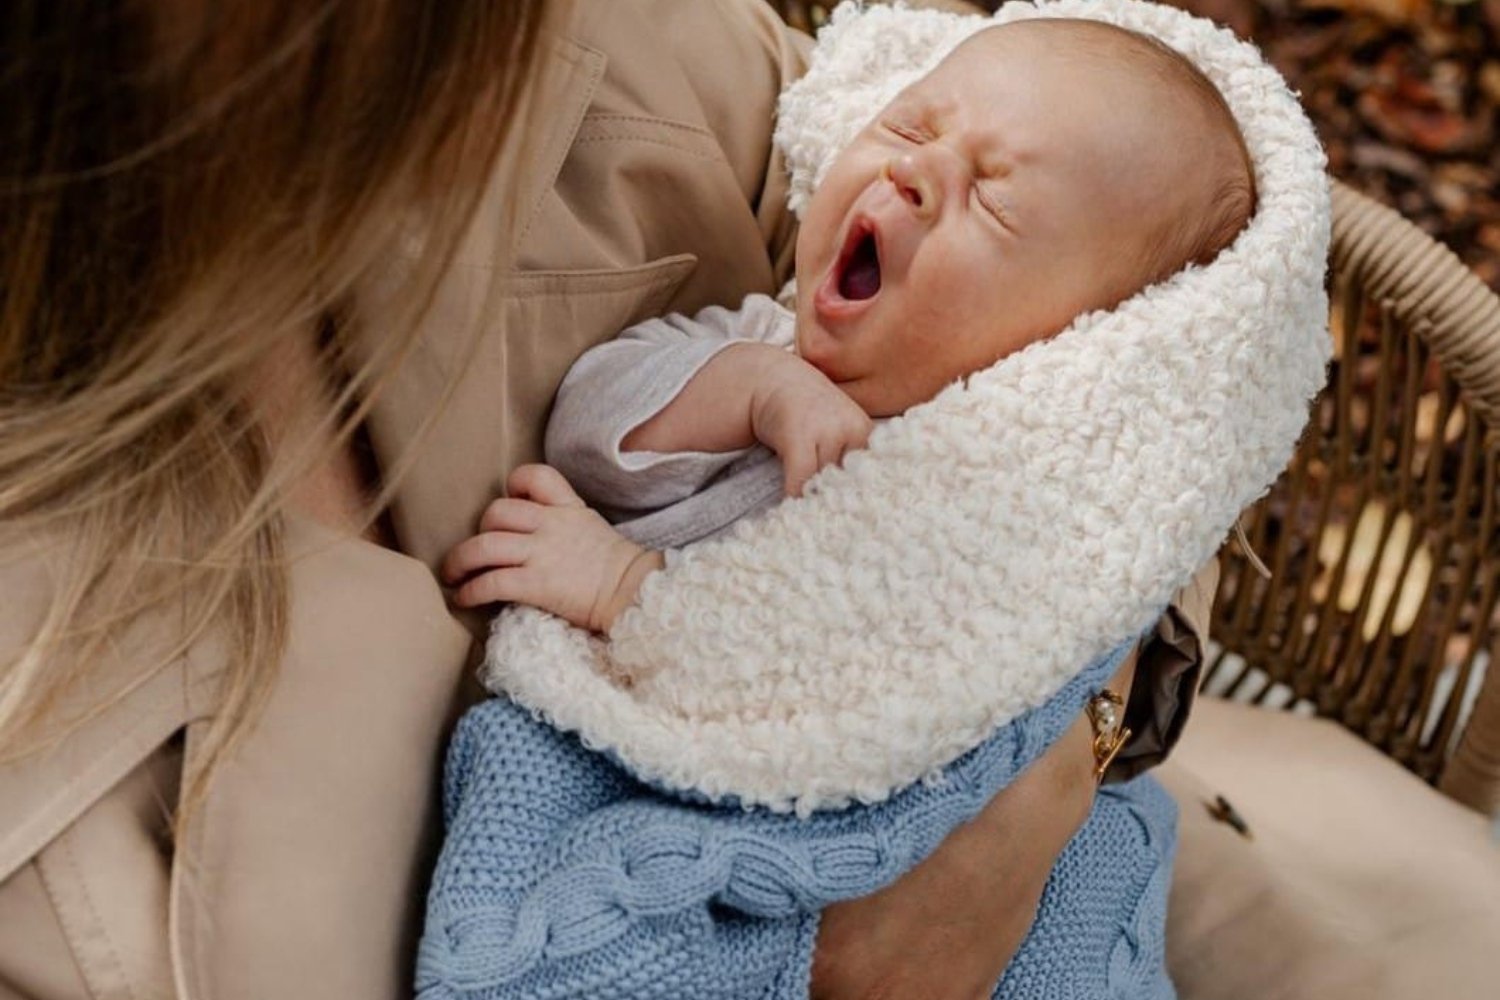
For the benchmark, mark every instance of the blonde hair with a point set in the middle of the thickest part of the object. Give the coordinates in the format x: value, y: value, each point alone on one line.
x: 185, y: 191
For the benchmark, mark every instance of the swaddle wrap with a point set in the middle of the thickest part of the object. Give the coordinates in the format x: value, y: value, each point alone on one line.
x: 991, y: 542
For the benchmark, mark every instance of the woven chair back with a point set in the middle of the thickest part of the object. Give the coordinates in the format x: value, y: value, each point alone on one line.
x: 1381, y: 537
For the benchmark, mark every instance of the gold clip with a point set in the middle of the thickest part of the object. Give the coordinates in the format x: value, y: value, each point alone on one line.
x: 1106, y: 711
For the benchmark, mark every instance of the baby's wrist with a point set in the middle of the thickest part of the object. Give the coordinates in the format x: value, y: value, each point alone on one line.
x: 628, y: 587
x: 772, y: 386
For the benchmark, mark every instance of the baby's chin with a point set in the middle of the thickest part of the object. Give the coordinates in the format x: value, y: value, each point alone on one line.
x: 878, y: 400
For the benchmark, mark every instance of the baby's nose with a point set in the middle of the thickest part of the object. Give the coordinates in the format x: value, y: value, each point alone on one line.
x: 914, y: 185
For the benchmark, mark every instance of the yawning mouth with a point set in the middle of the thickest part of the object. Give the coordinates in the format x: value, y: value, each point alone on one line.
x: 859, y: 264
x: 852, y: 284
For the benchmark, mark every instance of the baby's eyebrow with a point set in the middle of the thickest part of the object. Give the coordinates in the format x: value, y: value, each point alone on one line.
x: 905, y: 104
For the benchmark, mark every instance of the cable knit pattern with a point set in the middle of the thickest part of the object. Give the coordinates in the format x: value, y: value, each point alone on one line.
x: 958, y: 571
x: 565, y: 877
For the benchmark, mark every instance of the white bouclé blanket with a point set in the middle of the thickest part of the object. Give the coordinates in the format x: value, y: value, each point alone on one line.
x: 991, y: 542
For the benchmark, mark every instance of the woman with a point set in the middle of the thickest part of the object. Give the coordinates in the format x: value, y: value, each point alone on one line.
x: 256, y: 276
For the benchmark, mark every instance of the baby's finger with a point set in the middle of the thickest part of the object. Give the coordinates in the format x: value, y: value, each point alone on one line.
x: 797, y: 466
x: 848, y: 444
x: 491, y: 549
x: 859, y: 434
x: 496, y: 586
x: 829, y: 452
x: 511, y: 514
x: 542, y: 483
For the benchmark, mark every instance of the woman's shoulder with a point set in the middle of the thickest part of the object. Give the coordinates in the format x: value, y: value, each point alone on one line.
x: 104, y: 725
x: 337, y: 777
x: 714, y: 69
x: 84, y: 810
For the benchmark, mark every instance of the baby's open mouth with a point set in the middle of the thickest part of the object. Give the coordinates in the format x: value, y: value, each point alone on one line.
x: 851, y: 285
x: 859, y: 275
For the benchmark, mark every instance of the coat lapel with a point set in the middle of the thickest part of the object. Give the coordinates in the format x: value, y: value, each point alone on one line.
x: 46, y: 791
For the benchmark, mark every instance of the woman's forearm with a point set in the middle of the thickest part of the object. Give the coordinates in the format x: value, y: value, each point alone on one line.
x: 947, y: 929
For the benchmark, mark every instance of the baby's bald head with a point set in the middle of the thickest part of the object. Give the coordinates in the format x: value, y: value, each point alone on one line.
x: 1219, y: 180
x: 1199, y: 159
x: 1192, y: 187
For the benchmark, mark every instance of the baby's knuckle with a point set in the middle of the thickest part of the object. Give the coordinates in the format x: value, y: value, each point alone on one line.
x: 492, y: 545
x: 474, y: 592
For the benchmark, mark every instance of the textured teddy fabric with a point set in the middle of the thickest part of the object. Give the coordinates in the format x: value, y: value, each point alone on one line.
x: 844, y: 646
x: 664, y: 500
x: 565, y: 876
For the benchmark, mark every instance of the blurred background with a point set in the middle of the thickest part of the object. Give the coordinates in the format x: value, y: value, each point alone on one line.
x: 1405, y: 94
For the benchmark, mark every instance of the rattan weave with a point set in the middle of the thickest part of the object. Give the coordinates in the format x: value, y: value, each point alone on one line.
x: 1382, y: 538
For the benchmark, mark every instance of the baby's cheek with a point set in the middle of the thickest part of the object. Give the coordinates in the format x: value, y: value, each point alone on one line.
x: 806, y: 253
x: 954, y: 307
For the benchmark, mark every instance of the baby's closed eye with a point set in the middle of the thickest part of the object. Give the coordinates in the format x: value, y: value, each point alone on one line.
x: 908, y: 131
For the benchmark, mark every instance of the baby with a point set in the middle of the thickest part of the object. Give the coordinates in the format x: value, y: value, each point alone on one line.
x: 1044, y: 169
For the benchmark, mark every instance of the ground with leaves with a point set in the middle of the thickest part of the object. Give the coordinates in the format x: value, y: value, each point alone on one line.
x: 1406, y: 97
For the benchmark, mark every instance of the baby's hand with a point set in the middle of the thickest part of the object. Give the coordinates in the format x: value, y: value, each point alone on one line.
x: 807, y: 420
x: 542, y: 546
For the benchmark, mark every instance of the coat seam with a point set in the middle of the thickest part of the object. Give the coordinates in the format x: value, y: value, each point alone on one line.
x: 74, y: 931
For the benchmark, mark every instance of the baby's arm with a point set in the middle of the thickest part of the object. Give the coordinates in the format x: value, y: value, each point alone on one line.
x: 714, y: 411
x: 542, y: 545
x: 649, y: 418
x: 752, y: 392
x: 618, y: 385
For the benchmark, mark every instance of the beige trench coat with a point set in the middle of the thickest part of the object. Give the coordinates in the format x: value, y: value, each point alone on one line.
x: 656, y: 190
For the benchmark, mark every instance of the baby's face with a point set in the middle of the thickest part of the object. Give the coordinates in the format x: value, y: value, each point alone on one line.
x: 989, y: 204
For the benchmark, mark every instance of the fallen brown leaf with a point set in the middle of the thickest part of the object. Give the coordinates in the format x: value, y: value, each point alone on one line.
x: 1392, y: 11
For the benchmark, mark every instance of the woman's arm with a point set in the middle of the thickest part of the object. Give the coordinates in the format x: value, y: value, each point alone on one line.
x: 947, y: 929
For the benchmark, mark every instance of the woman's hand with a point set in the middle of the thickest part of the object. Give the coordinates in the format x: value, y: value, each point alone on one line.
x: 542, y: 545
x: 947, y: 929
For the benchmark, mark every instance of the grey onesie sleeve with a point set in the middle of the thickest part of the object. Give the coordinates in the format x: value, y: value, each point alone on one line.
x: 619, y: 385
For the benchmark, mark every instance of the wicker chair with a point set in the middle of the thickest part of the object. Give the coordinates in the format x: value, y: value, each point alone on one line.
x: 1382, y: 537
x: 1363, y: 592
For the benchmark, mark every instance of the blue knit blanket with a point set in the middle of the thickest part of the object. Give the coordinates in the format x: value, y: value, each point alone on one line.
x: 562, y: 876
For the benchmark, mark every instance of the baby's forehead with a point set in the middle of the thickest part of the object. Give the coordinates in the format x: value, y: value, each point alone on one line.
x: 1068, y: 43
x: 1135, y: 84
